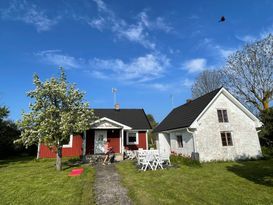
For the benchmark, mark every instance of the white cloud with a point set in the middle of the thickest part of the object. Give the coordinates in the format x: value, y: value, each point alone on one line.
x: 158, y: 24
x: 247, y: 38
x: 195, y: 65
x: 187, y: 82
x: 98, y: 23
x: 137, y: 70
x: 29, y: 14
x: 224, y: 52
x: 138, y: 32
x: 158, y: 86
x: 55, y: 57
x: 216, y: 49
x: 140, y: 69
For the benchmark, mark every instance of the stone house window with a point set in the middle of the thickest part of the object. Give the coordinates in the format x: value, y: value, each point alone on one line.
x: 222, y: 115
x: 226, y: 139
x: 179, y: 139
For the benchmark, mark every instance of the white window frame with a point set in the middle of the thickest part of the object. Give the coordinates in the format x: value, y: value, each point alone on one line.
x: 127, y: 138
x: 70, y: 144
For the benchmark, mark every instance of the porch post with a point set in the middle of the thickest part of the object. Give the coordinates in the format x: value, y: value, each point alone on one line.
x: 84, y: 146
x: 122, y: 141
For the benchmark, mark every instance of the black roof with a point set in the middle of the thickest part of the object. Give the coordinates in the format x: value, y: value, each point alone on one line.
x: 184, y: 115
x: 135, y: 118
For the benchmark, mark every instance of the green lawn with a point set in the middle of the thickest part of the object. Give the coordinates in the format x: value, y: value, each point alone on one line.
x: 27, y: 181
x: 211, y: 183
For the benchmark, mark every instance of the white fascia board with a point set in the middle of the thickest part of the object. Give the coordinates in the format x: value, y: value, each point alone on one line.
x: 125, y: 127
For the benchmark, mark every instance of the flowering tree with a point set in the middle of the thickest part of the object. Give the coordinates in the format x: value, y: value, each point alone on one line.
x: 58, y: 111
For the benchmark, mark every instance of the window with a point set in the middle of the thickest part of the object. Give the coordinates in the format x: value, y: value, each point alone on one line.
x: 132, y: 138
x: 179, y: 139
x: 69, y: 143
x: 226, y: 139
x: 222, y: 115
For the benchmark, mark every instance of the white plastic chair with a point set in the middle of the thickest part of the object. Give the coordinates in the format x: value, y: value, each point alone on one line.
x: 147, y: 162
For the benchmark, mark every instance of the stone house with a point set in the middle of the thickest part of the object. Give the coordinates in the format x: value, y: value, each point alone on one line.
x: 215, y: 126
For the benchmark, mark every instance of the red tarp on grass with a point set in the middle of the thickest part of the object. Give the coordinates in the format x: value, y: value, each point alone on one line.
x: 76, y: 172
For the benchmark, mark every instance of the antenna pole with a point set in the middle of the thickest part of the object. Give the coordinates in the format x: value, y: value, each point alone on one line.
x: 114, y: 91
x: 171, y: 96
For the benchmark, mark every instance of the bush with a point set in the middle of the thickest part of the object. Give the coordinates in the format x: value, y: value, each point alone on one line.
x: 267, y: 151
x: 178, y: 160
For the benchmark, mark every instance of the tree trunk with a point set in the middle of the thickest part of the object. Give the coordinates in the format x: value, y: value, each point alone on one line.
x: 59, y: 158
x: 38, y: 151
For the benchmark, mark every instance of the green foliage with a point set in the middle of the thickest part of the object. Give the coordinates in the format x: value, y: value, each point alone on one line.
x: 177, y: 160
x: 8, y: 133
x: 267, y: 151
x: 32, y: 182
x: 151, y: 135
x: 4, y: 112
x: 266, y: 134
x: 58, y: 111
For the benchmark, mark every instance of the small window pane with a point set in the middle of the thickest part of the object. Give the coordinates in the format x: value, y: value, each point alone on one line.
x: 132, y: 139
x: 229, y: 139
x: 223, y: 137
x: 225, y: 116
x: 179, y: 140
x: 220, y: 117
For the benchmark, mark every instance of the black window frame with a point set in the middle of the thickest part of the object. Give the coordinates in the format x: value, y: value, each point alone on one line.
x: 226, y: 139
x: 222, y: 115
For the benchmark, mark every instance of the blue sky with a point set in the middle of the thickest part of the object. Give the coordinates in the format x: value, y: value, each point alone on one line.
x: 148, y: 50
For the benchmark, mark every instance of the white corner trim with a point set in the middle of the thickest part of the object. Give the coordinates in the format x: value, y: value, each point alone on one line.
x: 147, y: 145
x: 70, y: 144
x: 125, y: 127
x: 127, y: 138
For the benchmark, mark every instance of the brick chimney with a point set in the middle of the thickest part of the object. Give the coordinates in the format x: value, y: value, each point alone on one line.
x: 117, y: 107
x: 188, y: 100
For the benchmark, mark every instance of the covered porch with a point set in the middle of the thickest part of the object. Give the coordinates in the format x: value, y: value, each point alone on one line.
x: 118, y: 135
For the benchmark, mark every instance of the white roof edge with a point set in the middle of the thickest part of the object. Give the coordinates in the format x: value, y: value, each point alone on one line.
x: 258, y: 123
x: 113, y: 121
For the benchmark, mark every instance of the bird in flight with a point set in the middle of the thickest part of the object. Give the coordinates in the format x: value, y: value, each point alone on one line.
x: 222, y: 19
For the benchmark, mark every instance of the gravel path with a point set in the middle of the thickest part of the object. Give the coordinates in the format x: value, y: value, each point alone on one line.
x: 108, y: 188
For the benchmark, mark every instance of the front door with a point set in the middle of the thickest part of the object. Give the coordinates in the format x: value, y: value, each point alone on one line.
x: 100, y: 138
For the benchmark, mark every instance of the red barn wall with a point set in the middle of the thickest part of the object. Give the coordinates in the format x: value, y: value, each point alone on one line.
x: 74, y: 151
x: 142, y: 143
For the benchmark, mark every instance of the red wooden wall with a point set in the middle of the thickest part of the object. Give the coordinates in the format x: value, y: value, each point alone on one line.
x: 74, y: 151
x: 141, y: 141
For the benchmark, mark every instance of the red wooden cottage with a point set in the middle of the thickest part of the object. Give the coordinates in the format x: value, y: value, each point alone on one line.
x: 123, y: 128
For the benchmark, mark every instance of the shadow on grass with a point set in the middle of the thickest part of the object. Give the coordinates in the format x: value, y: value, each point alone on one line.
x: 15, y: 160
x: 259, y: 171
x: 73, y: 162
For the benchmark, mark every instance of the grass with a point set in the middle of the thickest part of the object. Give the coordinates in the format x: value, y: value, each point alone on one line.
x: 249, y: 182
x: 28, y: 181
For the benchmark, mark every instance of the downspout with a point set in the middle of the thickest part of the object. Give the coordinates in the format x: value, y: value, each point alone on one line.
x: 194, y: 147
x: 193, y: 140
